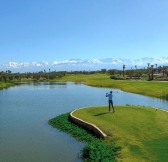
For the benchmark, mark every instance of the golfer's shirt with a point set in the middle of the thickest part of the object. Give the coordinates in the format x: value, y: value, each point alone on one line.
x: 110, y: 96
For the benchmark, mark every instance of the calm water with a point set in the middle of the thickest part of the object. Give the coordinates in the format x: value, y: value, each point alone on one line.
x: 25, y: 110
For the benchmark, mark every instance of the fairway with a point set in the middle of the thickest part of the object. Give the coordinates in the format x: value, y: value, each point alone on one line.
x: 148, y: 88
x: 142, y: 132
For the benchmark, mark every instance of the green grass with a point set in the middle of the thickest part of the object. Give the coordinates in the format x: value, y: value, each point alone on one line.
x: 141, y: 132
x: 148, y: 88
x: 95, y: 149
x: 5, y: 85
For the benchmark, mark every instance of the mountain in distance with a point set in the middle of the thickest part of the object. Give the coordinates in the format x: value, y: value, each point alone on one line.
x: 141, y: 62
x: 85, y: 64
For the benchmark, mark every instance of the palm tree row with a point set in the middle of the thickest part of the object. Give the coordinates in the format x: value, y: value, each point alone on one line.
x: 150, y: 71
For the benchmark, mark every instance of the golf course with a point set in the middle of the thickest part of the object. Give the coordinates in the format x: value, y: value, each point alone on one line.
x: 136, y: 133
x: 141, y: 131
x: 156, y: 89
x: 148, y: 88
x: 84, y: 81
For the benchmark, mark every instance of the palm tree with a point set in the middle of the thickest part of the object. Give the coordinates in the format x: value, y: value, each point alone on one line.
x: 123, y: 71
x: 166, y: 71
x: 163, y: 70
x: 156, y: 68
x: 156, y: 65
x: 159, y: 69
x: 152, y: 71
x: 148, y: 70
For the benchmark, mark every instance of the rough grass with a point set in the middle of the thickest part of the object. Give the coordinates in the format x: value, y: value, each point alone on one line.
x: 141, y: 132
x: 95, y: 149
x: 148, y: 88
x: 5, y: 85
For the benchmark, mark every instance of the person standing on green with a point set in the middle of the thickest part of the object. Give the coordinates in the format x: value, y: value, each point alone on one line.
x: 110, y: 100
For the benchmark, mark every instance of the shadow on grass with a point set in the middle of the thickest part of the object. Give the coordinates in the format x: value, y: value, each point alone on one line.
x: 101, y: 114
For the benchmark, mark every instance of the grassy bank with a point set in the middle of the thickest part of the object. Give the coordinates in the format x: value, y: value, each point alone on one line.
x: 5, y: 85
x: 148, y: 88
x: 95, y: 149
x: 141, y: 132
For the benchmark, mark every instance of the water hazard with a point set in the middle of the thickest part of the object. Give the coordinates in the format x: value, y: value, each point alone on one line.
x: 25, y: 110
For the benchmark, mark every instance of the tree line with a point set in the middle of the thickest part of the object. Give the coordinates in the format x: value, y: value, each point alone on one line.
x: 35, y: 76
x: 150, y: 72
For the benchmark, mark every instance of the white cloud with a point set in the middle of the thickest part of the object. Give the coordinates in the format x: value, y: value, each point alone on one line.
x: 95, y: 61
x: 81, y: 63
x: 70, y: 62
x: 25, y: 64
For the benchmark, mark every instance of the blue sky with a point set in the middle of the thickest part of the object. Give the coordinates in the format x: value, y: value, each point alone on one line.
x: 57, y: 30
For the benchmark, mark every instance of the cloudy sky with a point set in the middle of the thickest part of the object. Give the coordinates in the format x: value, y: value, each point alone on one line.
x: 81, y: 32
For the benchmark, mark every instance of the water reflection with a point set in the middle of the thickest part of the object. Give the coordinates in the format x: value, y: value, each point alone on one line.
x: 45, y: 85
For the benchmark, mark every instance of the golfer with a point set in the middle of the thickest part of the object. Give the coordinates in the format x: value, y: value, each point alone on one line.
x: 110, y: 96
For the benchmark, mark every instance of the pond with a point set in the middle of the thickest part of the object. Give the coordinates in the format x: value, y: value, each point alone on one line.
x: 25, y: 110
